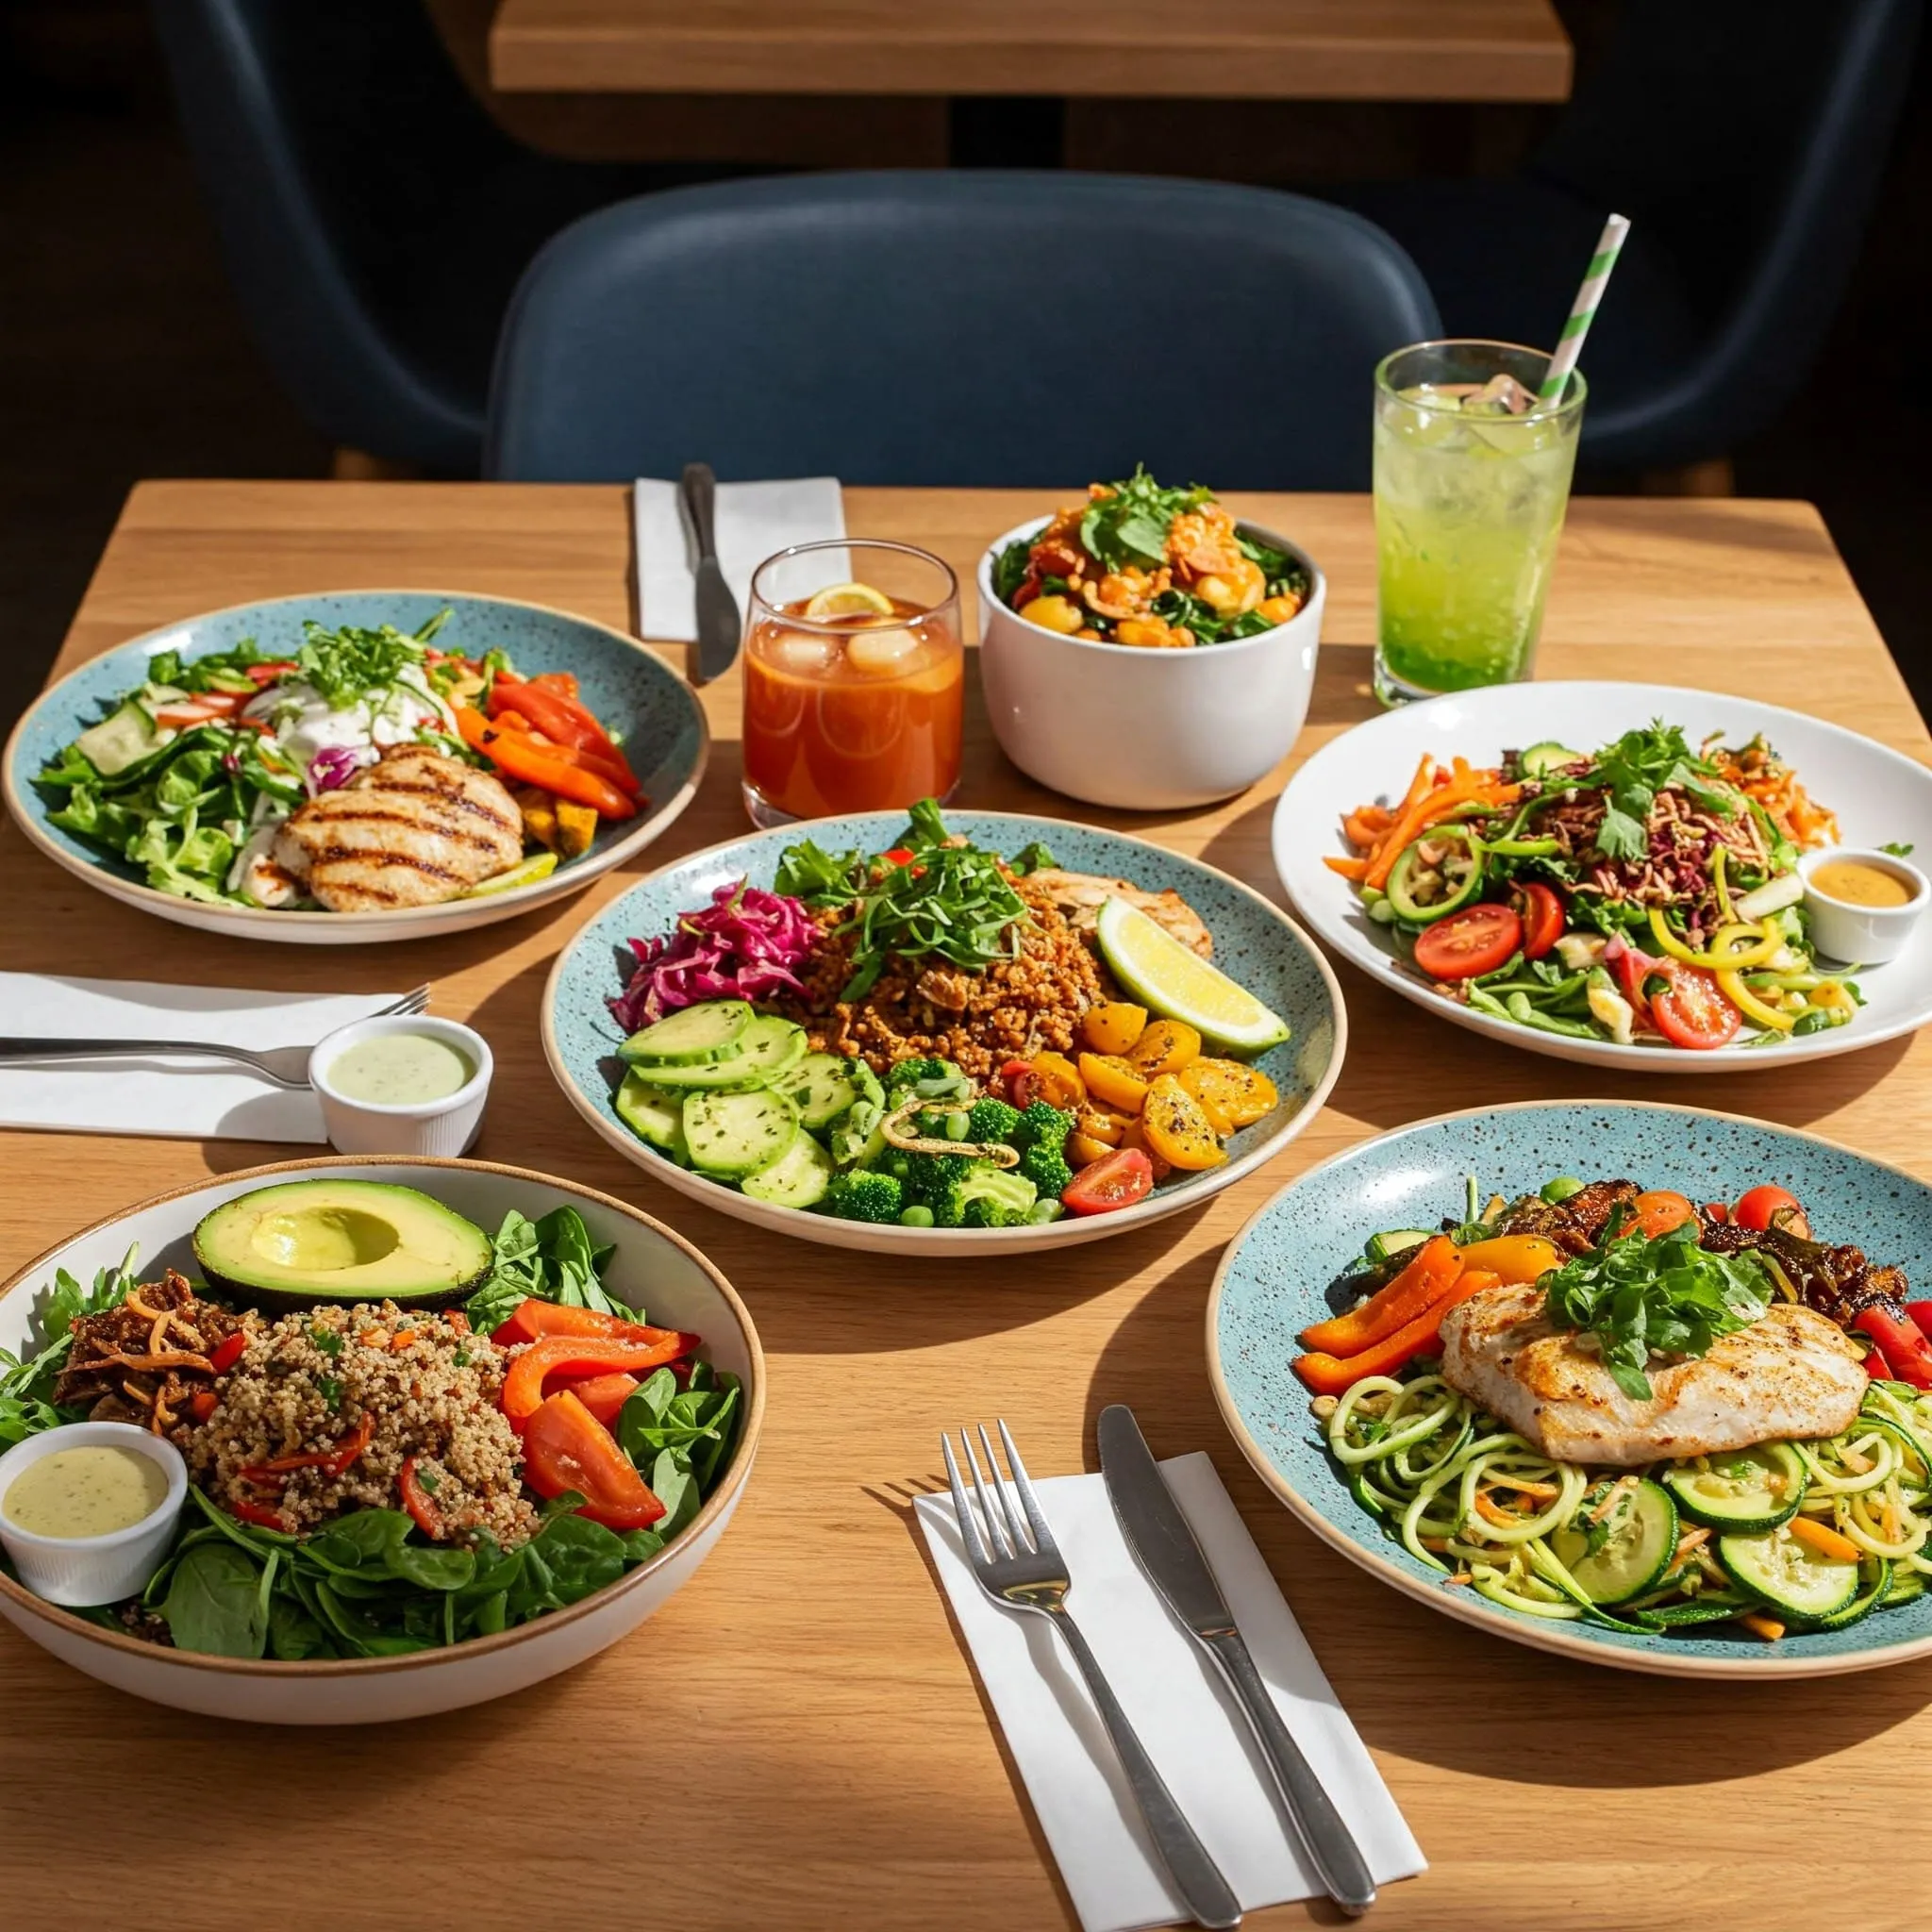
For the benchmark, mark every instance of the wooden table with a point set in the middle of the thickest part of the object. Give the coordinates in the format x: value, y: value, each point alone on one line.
x: 1381, y: 50
x: 796, y: 1740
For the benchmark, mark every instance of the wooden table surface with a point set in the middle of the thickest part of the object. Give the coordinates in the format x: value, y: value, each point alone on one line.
x: 797, y: 1740
x: 1378, y: 50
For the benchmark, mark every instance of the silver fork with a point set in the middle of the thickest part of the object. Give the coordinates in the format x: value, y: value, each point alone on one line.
x: 287, y: 1066
x: 1023, y: 1572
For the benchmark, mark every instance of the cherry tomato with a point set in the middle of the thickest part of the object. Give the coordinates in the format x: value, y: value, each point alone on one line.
x: 1767, y: 1207
x: 1660, y: 1211
x: 1016, y: 1077
x: 1118, y: 1180
x: 1718, y: 1211
x: 1542, y: 913
x: 1691, y: 1010
x: 1469, y: 943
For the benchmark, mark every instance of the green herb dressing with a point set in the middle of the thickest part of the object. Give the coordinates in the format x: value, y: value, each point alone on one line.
x: 92, y: 1490
x: 399, y: 1070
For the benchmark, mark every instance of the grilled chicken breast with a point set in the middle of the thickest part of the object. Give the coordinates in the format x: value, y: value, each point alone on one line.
x: 1793, y: 1374
x: 1079, y: 896
x: 413, y: 830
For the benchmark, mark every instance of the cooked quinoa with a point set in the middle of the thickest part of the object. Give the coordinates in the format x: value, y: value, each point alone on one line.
x: 926, y: 1008
x: 427, y: 1388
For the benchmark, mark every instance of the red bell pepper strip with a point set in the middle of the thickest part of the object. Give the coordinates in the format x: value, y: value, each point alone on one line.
x: 1907, y: 1352
x: 1875, y: 1367
x: 571, y: 1354
x: 418, y: 1501
x: 267, y: 674
x: 532, y: 1320
x: 201, y: 1405
x: 458, y: 1321
x: 1921, y: 1313
x: 1328, y: 1375
x: 530, y: 763
x: 224, y: 1355
x: 606, y: 765
x: 564, y: 683
x: 566, y: 1447
x: 1431, y: 1272
x: 564, y: 723
x: 257, y: 1513
x: 605, y: 1395
x: 337, y: 1461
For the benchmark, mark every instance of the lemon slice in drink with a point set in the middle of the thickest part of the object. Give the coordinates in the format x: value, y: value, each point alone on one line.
x: 1179, y: 983
x: 849, y: 600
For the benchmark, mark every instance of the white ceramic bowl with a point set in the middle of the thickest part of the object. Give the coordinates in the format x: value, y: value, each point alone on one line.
x: 93, y: 1569
x: 1139, y: 729
x: 1862, y: 935
x: 438, y: 1130
x: 653, y: 1267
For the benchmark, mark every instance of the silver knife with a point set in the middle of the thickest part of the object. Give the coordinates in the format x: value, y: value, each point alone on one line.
x: 718, y: 623
x: 1165, y: 1546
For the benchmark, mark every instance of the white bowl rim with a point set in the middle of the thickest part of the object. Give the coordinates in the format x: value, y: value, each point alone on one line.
x: 483, y: 1064
x: 990, y: 601
x: 31, y: 1449
x: 715, y: 1506
x: 406, y: 919
x: 936, y: 1241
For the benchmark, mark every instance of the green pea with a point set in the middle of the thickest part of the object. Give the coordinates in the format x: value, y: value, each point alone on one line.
x: 915, y: 1217
x: 957, y: 1126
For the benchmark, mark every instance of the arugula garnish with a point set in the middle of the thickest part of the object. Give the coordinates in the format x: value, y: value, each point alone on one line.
x: 1130, y: 525
x: 1634, y: 770
x: 1896, y: 849
x: 1666, y: 1296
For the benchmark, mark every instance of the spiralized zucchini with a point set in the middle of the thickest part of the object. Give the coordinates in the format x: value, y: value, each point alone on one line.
x: 1479, y: 1503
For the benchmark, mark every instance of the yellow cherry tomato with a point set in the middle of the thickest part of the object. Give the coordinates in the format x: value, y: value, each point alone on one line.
x: 1165, y: 1047
x: 1057, y: 1081
x: 1113, y: 1025
x: 1136, y: 1136
x: 1513, y: 1258
x: 1083, y: 1150
x: 1241, y: 1094
x: 1114, y: 1082
x: 1098, y: 1125
x: 1177, y: 1128
x: 1054, y: 613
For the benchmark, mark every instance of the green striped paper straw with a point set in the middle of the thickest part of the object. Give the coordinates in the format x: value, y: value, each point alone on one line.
x: 1583, y: 310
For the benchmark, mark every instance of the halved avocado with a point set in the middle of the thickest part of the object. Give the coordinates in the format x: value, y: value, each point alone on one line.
x: 334, y: 1240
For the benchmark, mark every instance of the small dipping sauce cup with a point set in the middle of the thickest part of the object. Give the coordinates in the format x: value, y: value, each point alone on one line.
x: 1865, y: 932
x: 101, y: 1569
x: 385, y: 1085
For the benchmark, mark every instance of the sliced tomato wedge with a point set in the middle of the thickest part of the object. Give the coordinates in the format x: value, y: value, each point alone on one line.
x: 1542, y: 913
x: 1691, y: 1010
x: 1660, y: 1211
x: 1018, y: 1078
x: 566, y: 1447
x: 1767, y: 1207
x: 1469, y: 943
x: 1115, y: 1180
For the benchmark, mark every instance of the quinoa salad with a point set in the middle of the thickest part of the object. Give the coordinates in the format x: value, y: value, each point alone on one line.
x: 493, y: 1439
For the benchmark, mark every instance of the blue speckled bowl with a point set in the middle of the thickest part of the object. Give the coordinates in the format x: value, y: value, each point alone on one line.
x: 1253, y: 940
x: 638, y: 695
x: 1270, y: 1281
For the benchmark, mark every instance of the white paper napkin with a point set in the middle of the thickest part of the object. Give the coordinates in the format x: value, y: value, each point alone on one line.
x: 1174, y: 1700
x: 193, y: 1099
x: 753, y: 520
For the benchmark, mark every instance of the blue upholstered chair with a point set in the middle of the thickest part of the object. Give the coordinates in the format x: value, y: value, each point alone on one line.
x: 970, y: 328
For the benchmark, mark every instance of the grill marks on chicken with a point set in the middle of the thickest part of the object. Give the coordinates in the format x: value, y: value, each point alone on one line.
x: 416, y: 829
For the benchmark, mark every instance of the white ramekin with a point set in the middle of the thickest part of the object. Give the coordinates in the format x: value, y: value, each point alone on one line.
x: 1862, y: 935
x: 1139, y: 729
x: 81, y: 1570
x: 442, y: 1128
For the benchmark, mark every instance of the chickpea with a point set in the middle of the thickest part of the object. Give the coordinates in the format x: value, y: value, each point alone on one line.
x: 1154, y: 633
x: 1092, y: 636
x: 1280, y: 609
x: 1054, y: 613
x: 1231, y: 592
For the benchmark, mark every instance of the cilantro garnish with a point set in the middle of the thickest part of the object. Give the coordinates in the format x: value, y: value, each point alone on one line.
x: 1896, y: 849
x: 349, y: 663
x: 1634, y: 770
x: 330, y: 1341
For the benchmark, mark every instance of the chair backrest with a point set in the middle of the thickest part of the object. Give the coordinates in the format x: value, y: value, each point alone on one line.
x: 1749, y: 137
x: 329, y: 137
x: 972, y: 328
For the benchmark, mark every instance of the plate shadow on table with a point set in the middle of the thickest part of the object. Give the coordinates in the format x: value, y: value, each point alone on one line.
x: 1428, y: 1688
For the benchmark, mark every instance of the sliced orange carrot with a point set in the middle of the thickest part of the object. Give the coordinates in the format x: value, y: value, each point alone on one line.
x: 1767, y: 1627
x: 1356, y: 869
x: 1825, y: 1540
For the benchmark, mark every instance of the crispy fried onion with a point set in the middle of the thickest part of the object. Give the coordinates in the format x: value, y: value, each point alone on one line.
x: 897, y: 1129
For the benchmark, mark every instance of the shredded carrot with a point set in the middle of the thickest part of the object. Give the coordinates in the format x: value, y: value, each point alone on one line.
x: 1356, y: 869
x: 1508, y: 1518
x: 1609, y: 1498
x: 1689, y: 1542
x: 1541, y: 1493
x: 1434, y: 1542
x: 1478, y: 788
x: 1767, y: 1627
x: 1895, y: 1529
x: 1460, y: 1577
x: 458, y: 1321
x: 1418, y: 787
x: 1826, y: 1541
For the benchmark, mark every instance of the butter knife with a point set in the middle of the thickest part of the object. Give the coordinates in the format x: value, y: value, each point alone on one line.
x: 719, y: 623
x: 1165, y: 1546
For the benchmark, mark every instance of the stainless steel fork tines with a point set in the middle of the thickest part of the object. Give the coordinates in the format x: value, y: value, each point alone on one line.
x: 1018, y: 1565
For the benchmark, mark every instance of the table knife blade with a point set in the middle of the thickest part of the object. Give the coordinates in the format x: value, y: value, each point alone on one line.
x: 720, y: 623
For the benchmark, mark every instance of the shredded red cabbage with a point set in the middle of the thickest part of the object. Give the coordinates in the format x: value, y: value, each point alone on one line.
x: 742, y: 946
x: 333, y: 766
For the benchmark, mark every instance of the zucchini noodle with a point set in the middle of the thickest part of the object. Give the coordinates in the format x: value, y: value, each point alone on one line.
x: 1479, y: 1502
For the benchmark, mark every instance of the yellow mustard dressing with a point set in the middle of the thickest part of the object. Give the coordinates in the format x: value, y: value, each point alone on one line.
x: 1855, y: 882
x: 92, y: 1490
x: 399, y: 1070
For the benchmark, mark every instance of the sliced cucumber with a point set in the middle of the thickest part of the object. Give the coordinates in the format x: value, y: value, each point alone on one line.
x: 119, y: 741
x: 1785, y: 1575
x: 1876, y: 1573
x: 1907, y: 1586
x: 1741, y: 1489
x: 689, y: 1036
x: 772, y: 1045
x: 1383, y: 1247
x: 655, y: 1114
x: 1547, y: 757
x: 798, y: 1178
x: 732, y: 1135
x: 1634, y: 1544
x: 821, y: 1086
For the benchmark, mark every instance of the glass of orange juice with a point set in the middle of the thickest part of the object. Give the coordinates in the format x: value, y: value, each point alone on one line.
x: 855, y: 679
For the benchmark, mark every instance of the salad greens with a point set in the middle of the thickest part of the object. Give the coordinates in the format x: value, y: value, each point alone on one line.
x: 26, y: 1382
x: 553, y: 1259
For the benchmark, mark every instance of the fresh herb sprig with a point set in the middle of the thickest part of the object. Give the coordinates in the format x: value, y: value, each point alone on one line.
x: 1130, y: 525
x: 1665, y: 1296
x: 1634, y: 770
x: 353, y: 661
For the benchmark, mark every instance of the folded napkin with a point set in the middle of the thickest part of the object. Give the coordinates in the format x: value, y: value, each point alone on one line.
x: 1173, y: 1697
x: 753, y: 520
x: 193, y: 1099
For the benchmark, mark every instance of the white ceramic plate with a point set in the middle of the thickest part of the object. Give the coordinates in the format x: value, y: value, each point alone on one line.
x: 1880, y: 796
x: 653, y: 1268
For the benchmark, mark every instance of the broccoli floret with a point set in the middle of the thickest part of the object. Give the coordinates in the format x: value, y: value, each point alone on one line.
x: 990, y: 1196
x: 1041, y: 1126
x: 990, y: 1121
x: 932, y: 1180
x: 1047, y: 1168
x: 862, y: 1195
x: 933, y: 1080
x: 909, y: 1073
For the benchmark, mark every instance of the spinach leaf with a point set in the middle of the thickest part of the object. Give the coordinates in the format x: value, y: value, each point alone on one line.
x: 553, y: 1261
x: 1129, y: 523
x: 430, y: 1566
x: 294, y: 1631
x: 215, y: 1603
x: 676, y: 1487
x: 1009, y: 568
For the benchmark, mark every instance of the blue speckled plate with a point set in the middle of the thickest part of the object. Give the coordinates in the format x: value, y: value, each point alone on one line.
x: 1271, y: 1282
x: 1253, y: 940
x: 640, y: 698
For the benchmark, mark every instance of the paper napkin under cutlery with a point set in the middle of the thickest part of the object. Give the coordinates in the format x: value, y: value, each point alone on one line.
x: 192, y: 1099
x: 1174, y: 1701
x: 754, y: 519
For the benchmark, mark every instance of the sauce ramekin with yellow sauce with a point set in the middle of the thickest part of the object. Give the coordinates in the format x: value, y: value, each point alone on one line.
x: 1863, y: 902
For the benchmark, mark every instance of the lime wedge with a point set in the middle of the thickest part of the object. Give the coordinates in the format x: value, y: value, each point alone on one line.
x: 1177, y: 984
x: 539, y: 865
x: 849, y: 600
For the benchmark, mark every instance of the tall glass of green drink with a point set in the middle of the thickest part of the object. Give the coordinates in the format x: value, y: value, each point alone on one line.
x: 1472, y: 477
